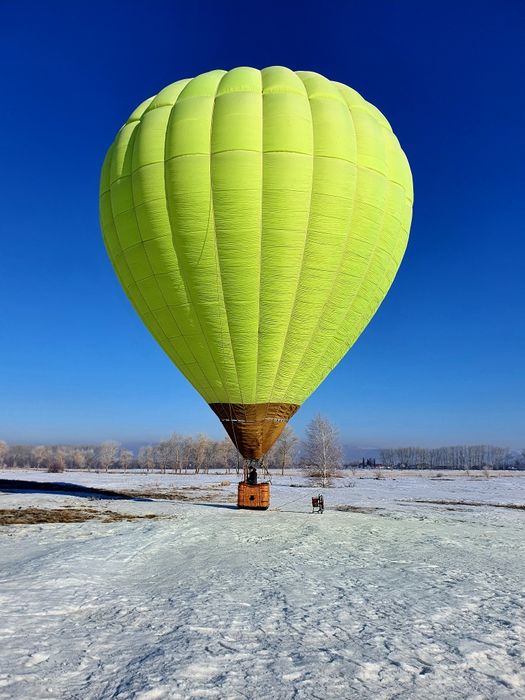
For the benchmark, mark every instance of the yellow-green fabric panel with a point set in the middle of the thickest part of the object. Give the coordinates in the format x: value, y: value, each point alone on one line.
x: 190, y: 207
x: 329, y: 221
x: 256, y: 220
x: 236, y: 185
x: 286, y: 194
x: 381, y: 223
x: 138, y: 236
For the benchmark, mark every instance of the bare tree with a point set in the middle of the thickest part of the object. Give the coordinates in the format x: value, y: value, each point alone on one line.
x: 188, y: 453
x: 163, y: 455
x: 46, y: 456
x: 3, y: 452
x: 39, y: 455
x: 90, y: 457
x: 226, y: 455
x: 18, y: 456
x: 146, y: 457
x: 56, y: 460
x: 125, y: 458
x: 176, y: 449
x: 107, y: 454
x: 79, y: 458
x: 321, y: 450
x: 284, y: 450
x: 201, y: 449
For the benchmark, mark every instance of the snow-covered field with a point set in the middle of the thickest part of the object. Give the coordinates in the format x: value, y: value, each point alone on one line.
x: 403, y: 600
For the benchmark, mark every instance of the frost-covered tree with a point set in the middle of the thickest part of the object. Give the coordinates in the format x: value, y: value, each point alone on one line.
x: 201, y: 448
x: 284, y: 451
x: 321, y: 450
x: 38, y: 454
x: 125, y: 459
x: 163, y: 455
x: 188, y: 453
x: 146, y: 457
x: 41, y: 454
x: 226, y: 456
x: 56, y: 460
x: 177, y: 448
x: 79, y: 458
x: 107, y: 454
x: 3, y: 452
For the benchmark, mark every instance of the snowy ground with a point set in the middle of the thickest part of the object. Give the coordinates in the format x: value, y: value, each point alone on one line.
x: 411, y: 600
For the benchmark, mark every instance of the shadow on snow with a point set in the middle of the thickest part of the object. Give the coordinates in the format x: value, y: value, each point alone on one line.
x: 21, y: 486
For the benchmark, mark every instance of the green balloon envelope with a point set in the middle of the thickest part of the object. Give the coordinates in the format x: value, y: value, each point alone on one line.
x: 256, y: 220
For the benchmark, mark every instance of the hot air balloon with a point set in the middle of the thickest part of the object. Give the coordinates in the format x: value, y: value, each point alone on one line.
x: 256, y: 220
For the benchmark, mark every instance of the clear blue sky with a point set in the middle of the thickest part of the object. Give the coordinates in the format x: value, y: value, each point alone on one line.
x: 442, y: 361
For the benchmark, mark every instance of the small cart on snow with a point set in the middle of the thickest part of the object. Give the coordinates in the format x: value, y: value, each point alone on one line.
x: 318, y: 503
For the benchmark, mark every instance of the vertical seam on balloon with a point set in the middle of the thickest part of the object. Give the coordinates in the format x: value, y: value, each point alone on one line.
x: 339, y: 266
x: 217, y: 256
x: 166, y: 302
x: 113, y: 219
x: 192, y: 380
x: 267, y: 409
x: 220, y: 375
x: 268, y: 403
x: 400, y: 258
x: 370, y: 316
x: 218, y: 277
x: 301, y: 266
x: 128, y: 294
x: 372, y: 257
x: 206, y: 381
x: 260, y: 243
x: 192, y: 305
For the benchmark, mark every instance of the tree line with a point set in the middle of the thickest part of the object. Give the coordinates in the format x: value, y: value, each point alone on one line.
x: 177, y: 454
x: 452, y: 457
x: 320, y: 452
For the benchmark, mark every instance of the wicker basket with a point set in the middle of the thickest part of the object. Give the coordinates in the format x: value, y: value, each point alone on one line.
x: 253, y: 496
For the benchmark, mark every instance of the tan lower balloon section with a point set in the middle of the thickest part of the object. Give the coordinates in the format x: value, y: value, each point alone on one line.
x: 254, y: 427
